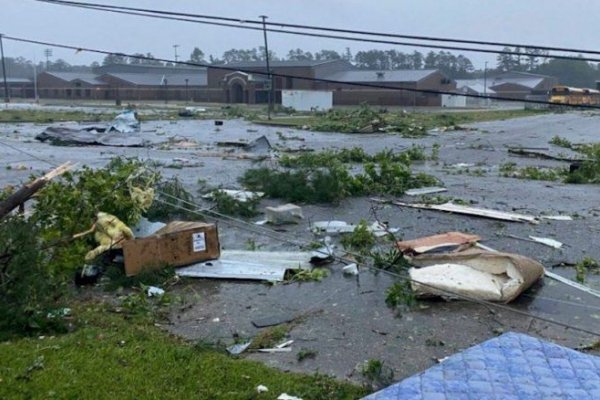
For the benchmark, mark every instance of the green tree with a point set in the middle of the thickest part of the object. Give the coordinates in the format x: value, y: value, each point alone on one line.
x: 328, y: 55
x: 197, y: 56
x: 114, y: 59
x: 299, y: 55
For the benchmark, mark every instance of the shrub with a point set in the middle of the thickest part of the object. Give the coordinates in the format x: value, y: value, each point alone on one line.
x: 27, y: 289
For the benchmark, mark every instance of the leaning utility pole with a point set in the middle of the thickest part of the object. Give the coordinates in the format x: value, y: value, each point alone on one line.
x: 270, y: 91
x: 6, y: 95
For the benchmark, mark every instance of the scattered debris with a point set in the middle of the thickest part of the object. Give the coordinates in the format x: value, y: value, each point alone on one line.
x: 154, y: 291
x: 106, y: 135
x: 557, y: 217
x: 285, y: 396
x: 350, y: 269
x: 262, y: 389
x: 146, y: 228
x: 466, y: 210
x: 566, y: 281
x: 260, y: 145
x: 441, y: 242
x: 238, y: 195
x: 425, y: 191
x: 284, y: 344
x: 547, y: 241
x: 284, y: 214
x: 191, y: 111
x: 249, y: 265
x: 239, y: 348
x: 377, y: 228
x: 500, y: 277
x: 542, y: 155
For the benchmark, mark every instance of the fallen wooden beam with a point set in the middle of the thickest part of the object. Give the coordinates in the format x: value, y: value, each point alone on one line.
x: 24, y: 193
x: 542, y: 155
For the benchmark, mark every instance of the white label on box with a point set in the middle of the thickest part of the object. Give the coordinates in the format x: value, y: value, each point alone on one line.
x: 198, y: 242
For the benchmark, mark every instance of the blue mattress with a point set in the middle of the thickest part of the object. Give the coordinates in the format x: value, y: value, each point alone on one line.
x: 510, y: 367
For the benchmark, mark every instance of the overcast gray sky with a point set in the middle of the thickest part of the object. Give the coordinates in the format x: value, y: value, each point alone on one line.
x: 563, y: 23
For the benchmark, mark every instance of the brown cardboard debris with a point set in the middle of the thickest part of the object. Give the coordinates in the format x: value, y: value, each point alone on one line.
x: 179, y: 243
x: 425, y: 244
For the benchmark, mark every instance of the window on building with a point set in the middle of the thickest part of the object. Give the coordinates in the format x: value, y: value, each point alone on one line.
x: 77, y: 84
x: 289, y: 82
x: 69, y: 92
x: 78, y: 92
x: 88, y: 93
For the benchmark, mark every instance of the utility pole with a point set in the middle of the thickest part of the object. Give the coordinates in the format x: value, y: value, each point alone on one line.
x: 48, y: 54
x: 485, y: 83
x: 35, y: 87
x: 270, y: 92
x: 175, y: 46
x: 6, y: 95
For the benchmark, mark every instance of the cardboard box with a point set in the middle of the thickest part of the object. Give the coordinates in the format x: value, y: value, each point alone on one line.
x: 179, y: 243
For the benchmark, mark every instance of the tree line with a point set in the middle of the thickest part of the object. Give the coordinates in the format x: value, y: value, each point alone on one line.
x: 570, y: 72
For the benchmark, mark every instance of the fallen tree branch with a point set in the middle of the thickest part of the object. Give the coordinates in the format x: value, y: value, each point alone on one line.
x: 24, y: 193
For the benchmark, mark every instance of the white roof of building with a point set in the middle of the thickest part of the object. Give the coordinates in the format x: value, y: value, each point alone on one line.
x: 407, y: 75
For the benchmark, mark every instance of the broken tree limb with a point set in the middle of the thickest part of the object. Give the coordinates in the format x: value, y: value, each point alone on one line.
x: 24, y: 193
x: 539, y: 154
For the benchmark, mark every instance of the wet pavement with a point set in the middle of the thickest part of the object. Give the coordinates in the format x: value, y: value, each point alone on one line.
x: 345, y: 319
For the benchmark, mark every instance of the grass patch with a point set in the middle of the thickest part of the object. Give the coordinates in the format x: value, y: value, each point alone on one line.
x: 326, y: 177
x: 510, y: 170
x: 225, y: 204
x: 561, y: 142
x: 585, y: 266
x: 119, y: 356
x: 270, y: 337
x: 400, y: 294
x: 392, y: 260
x: 375, y: 372
x: 365, y: 120
x: 361, y: 240
x: 46, y: 116
x: 305, y: 275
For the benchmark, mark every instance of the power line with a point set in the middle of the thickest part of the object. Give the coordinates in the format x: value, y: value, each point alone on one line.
x: 282, y: 238
x: 321, y: 28
x: 310, y: 79
x: 161, y: 15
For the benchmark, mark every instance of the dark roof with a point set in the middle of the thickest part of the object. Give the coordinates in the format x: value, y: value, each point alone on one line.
x: 156, y: 79
x: 276, y: 63
x: 86, y: 77
x: 144, y: 68
x: 407, y: 75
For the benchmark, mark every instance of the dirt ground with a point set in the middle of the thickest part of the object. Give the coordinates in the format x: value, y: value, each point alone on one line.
x: 345, y: 319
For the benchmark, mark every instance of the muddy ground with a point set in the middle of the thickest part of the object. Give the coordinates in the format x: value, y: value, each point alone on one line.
x: 345, y: 319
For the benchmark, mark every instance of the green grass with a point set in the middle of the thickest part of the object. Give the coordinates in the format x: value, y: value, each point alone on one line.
x: 119, y: 356
x: 46, y: 116
x: 428, y: 120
